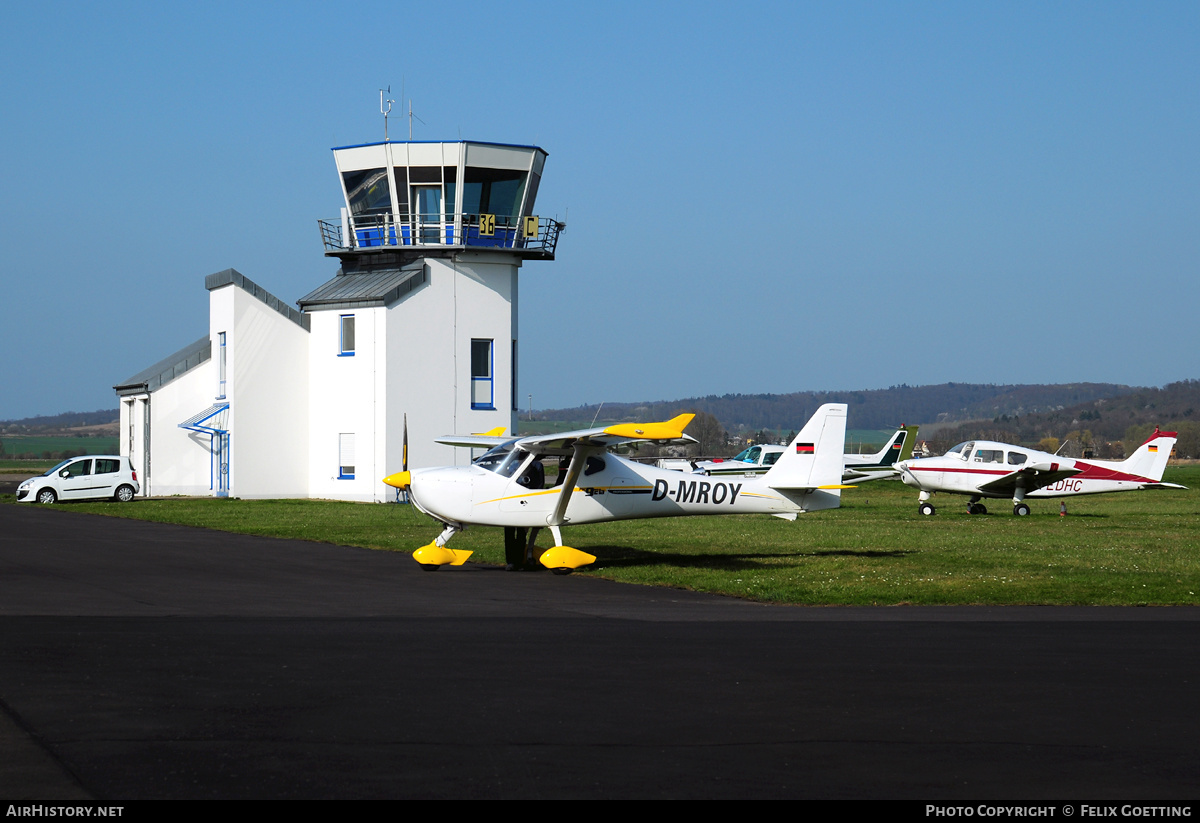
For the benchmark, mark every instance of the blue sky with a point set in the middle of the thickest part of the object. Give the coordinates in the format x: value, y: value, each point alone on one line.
x: 760, y: 197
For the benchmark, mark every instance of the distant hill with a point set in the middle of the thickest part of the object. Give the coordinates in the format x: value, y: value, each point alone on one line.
x: 869, y: 409
x: 59, y: 422
x: 1125, y: 419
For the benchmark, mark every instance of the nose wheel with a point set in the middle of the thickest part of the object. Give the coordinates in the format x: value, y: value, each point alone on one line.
x: 926, y: 509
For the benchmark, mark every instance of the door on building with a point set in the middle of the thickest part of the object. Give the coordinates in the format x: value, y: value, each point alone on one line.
x: 428, y: 214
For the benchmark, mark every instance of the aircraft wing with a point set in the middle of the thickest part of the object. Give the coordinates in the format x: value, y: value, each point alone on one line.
x: 486, y: 440
x: 471, y: 441
x: 563, y: 443
x: 1029, y: 478
x: 669, y: 431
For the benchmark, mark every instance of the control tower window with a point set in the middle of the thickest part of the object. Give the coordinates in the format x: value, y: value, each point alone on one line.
x: 367, y: 191
x: 493, y: 191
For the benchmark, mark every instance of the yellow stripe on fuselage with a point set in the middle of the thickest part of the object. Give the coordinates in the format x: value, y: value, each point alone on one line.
x: 558, y: 491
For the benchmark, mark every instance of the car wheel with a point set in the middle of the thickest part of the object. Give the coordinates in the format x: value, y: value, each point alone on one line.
x: 926, y: 509
x: 1020, y: 510
x: 47, y: 496
x: 124, y: 494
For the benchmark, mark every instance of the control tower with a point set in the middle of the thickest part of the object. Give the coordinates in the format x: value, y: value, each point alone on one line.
x: 427, y: 199
x: 431, y: 238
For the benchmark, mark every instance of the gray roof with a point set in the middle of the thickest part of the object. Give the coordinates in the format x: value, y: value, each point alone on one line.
x: 224, y: 278
x: 167, y: 369
x: 375, y: 287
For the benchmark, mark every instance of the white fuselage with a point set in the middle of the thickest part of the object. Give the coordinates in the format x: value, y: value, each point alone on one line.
x: 965, y: 473
x: 609, y: 488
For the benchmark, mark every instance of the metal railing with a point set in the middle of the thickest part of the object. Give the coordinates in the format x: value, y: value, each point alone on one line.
x: 471, y: 230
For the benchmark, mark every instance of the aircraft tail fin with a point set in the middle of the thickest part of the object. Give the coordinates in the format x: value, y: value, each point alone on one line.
x: 899, y: 447
x: 909, y: 443
x: 1150, y: 458
x: 814, y: 460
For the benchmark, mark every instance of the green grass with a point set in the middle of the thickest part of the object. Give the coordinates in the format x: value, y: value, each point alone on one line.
x: 1121, y: 549
x: 36, y: 445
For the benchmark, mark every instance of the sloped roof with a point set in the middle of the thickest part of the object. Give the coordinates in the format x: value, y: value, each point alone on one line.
x: 224, y: 278
x: 167, y: 369
x: 374, y: 287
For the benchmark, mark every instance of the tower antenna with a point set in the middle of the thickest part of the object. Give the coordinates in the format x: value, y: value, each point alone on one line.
x: 410, y: 119
x: 385, y: 112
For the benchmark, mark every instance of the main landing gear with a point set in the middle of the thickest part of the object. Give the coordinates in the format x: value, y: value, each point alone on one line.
x: 975, y: 507
x: 1020, y: 510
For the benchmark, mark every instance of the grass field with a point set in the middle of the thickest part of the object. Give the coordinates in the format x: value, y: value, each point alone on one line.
x: 1123, y: 549
x: 37, y: 445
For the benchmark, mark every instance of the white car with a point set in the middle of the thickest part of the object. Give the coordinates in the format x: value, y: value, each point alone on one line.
x: 81, y: 478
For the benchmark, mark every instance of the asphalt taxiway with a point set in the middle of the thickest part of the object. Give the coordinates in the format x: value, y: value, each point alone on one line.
x: 143, y: 660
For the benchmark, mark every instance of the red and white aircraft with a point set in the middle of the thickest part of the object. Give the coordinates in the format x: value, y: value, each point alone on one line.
x: 982, y: 469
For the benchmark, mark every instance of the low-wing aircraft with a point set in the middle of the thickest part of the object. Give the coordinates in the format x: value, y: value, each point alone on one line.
x: 504, y: 487
x: 863, y: 467
x: 859, y: 468
x: 986, y: 469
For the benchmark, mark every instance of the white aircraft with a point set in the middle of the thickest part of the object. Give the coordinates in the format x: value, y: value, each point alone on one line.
x: 859, y: 468
x: 504, y: 487
x: 985, y: 469
x: 863, y: 467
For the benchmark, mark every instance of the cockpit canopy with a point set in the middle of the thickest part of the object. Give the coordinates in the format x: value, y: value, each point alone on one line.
x: 503, y: 459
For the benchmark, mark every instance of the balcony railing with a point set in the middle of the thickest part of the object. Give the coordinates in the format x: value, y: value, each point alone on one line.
x: 472, y: 230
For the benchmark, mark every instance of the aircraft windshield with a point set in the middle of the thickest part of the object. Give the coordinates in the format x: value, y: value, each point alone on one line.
x: 963, y: 450
x: 502, y: 459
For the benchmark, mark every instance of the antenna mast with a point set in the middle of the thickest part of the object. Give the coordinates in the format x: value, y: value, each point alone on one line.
x: 411, y: 117
x: 386, y: 112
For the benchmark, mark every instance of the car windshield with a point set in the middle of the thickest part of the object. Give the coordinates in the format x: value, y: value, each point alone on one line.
x: 56, y: 468
x: 502, y: 459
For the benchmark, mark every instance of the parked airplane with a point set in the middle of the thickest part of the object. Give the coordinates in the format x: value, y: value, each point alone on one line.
x: 504, y: 487
x: 859, y: 468
x: 863, y: 467
x: 985, y: 469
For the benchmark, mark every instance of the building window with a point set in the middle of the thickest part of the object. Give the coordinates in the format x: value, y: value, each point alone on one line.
x: 347, y: 336
x: 345, y: 457
x: 221, y: 366
x: 482, y: 391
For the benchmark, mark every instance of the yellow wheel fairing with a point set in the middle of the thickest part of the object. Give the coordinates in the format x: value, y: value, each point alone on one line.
x: 435, y: 555
x: 564, y: 557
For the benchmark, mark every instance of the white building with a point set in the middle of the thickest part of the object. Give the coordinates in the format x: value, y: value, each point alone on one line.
x: 420, y: 322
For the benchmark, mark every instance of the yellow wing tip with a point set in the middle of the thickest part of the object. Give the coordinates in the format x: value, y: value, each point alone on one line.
x: 667, y: 430
x: 496, y: 432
